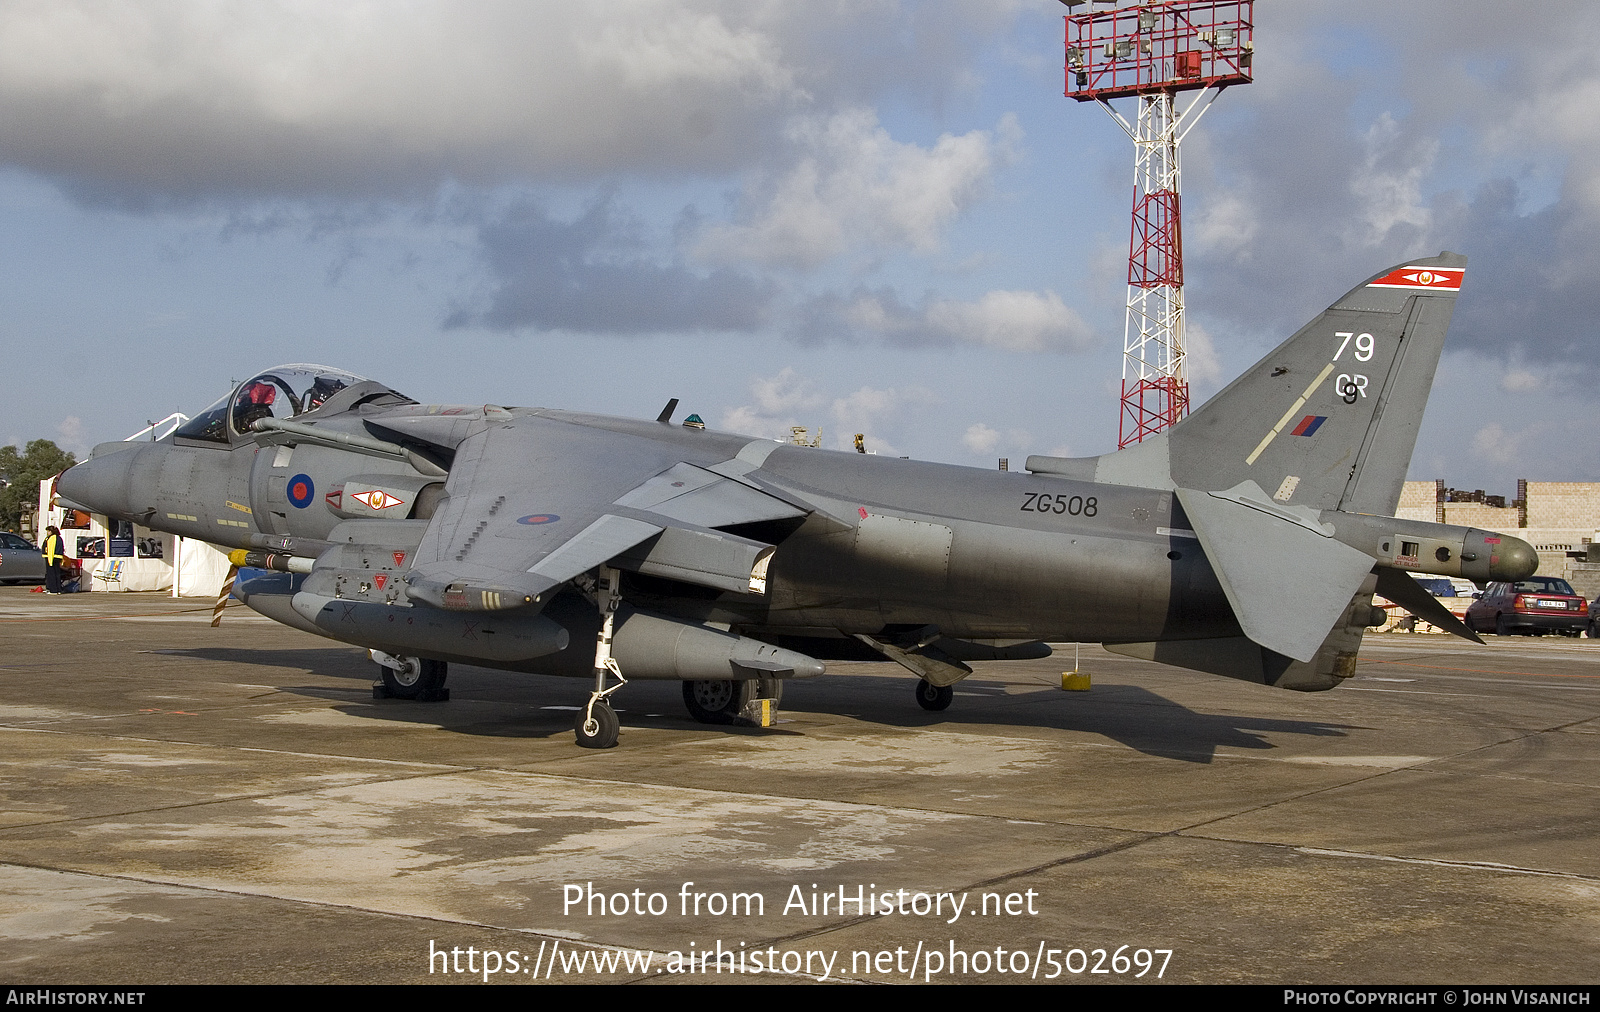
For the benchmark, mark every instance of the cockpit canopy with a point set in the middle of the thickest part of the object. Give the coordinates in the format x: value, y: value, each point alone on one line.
x: 285, y: 391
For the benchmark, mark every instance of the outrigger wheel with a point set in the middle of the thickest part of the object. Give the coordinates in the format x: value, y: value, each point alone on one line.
x: 934, y: 697
x: 416, y: 678
x: 597, y: 725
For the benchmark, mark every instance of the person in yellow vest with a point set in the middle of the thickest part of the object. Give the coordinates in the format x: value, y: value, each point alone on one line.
x: 54, y: 556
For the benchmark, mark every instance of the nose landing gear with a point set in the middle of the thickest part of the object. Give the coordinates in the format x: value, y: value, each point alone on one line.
x: 597, y: 725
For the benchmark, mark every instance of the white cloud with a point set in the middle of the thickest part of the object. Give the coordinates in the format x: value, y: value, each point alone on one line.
x: 1225, y: 224
x: 784, y: 393
x: 168, y: 100
x: 1012, y: 321
x: 980, y: 438
x: 786, y: 400
x: 1494, y: 444
x: 1520, y: 381
x: 1006, y: 320
x: 1387, y: 184
x: 1200, y: 354
x: 853, y: 185
x: 72, y: 436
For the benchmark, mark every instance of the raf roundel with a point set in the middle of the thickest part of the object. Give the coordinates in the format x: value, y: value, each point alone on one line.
x: 539, y: 518
x: 301, y: 491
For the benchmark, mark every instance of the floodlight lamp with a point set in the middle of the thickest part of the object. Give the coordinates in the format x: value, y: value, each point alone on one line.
x: 1225, y: 37
x: 1147, y: 21
x: 1124, y: 50
x: 1074, y: 57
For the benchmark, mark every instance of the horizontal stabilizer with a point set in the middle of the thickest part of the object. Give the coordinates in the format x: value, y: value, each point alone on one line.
x: 1400, y: 588
x: 1287, y: 581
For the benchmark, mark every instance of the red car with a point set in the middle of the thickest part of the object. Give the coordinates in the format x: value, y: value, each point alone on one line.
x: 1535, y: 606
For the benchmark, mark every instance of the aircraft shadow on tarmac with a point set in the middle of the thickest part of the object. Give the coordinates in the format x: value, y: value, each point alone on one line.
x: 333, y: 662
x: 1130, y: 715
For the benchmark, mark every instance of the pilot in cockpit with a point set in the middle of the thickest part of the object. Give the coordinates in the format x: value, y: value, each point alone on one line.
x: 255, y: 401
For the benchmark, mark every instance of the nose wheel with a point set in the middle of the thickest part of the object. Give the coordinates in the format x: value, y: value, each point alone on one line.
x: 597, y: 725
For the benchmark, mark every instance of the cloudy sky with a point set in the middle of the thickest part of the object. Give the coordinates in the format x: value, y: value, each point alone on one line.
x: 869, y: 216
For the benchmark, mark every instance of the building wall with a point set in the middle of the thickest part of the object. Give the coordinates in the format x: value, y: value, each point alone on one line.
x: 1568, y: 504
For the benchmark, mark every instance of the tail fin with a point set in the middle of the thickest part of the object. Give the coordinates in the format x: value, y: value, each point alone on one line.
x: 1328, y: 420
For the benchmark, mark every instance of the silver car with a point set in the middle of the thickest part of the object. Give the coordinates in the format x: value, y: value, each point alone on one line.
x: 20, y: 560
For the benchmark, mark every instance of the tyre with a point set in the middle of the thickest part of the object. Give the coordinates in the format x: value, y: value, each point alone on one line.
x: 1500, y: 627
x: 934, y: 697
x: 721, y: 700
x: 418, y: 678
x: 715, y: 701
x: 597, y: 726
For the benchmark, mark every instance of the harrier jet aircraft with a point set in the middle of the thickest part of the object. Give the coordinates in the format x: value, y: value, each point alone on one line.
x: 1247, y: 541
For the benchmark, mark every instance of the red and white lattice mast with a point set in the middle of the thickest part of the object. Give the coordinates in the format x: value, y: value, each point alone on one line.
x: 1152, y: 52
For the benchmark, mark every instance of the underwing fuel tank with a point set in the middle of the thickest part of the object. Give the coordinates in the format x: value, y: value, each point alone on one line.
x: 430, y: 632
x: 556, y: 641
x: 655, y: 647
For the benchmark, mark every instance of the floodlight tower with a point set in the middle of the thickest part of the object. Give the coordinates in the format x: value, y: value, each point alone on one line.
x: 1153, y: 51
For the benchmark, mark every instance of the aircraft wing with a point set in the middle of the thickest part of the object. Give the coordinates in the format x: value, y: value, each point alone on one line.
x: 536, y: 501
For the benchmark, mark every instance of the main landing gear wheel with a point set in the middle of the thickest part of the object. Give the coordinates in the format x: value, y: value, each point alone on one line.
x: 416, y: 678
x: 597, y: 726
x: 934, y: 697
x: 715, y: 701
x: 722, y: 700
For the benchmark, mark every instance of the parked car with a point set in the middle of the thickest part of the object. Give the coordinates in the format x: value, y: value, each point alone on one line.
x: 1535, y: 606
x: 1438, y: 586
x: 20, y: 560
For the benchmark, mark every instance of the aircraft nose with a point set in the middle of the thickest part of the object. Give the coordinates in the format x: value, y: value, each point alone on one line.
x: 101, y: 482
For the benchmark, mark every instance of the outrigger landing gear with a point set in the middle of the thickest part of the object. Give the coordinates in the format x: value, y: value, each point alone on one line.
x: 410, y: 678
x: 934, y: 697
x: 597, y: 725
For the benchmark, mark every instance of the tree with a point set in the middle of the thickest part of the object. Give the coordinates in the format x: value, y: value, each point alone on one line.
x: 21, y: 473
